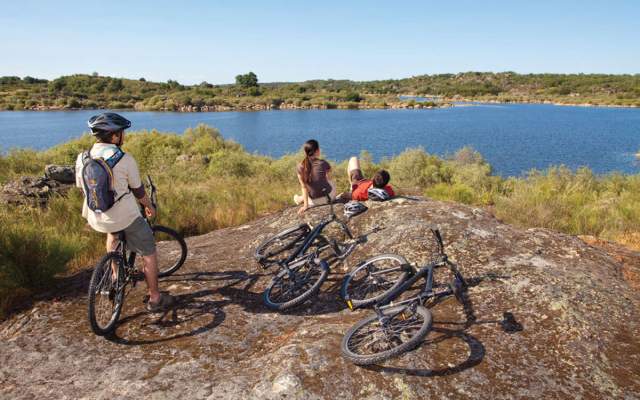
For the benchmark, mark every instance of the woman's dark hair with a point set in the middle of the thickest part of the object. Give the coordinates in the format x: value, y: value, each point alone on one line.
x: 381, y: 178
x: 310, y: 147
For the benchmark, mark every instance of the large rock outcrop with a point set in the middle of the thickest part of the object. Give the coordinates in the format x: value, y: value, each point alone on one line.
x: 36, y: 191
x: 580, y: 322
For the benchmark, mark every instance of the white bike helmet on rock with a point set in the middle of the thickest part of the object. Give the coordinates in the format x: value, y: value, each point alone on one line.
x: 353, y: 208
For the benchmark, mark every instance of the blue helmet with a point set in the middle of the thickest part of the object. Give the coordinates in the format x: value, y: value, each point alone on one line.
x: 108, y: 122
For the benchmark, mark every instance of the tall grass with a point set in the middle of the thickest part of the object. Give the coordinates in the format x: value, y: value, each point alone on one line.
x: 578, y: 203
x: 206, y: 183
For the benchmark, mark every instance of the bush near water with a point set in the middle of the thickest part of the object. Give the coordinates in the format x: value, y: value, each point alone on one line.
x: 206, y: 183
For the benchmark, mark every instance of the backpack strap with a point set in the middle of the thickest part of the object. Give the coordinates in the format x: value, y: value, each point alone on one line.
x: 122, y: 195
x: 112, y: 162
x: 115, y: 158
x: 86, y: 156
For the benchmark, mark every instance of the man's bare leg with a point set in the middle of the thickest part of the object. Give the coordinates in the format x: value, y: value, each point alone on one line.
x: 354, y: 163
x: 151, y: 276
x: 112, y: 242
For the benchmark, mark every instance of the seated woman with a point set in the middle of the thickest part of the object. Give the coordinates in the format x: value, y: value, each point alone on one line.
x: 314, y: 175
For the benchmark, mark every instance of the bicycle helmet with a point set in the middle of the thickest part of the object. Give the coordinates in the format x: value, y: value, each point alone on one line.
x: 107, y: 122
x: 353, y: 208
x: 377, y: 194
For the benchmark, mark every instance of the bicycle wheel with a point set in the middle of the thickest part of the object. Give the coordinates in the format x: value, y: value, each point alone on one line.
x: 292, y: 287
x: 373, y: 279
x: 376, y: 339
x: 171, y: 248
x: 106, y: 295
x: 279, y: 247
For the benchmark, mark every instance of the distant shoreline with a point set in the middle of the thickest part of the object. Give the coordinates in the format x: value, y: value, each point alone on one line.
x: 422, y: 91
x: 547, y: 102
x: 450, y: 103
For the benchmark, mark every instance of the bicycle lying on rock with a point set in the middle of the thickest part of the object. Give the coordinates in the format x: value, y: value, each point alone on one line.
x: 394, y: 328
x: 296, y: 251
x: 106, y: 294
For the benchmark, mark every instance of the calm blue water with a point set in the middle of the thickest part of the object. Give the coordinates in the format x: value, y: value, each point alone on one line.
x: 514, y: 138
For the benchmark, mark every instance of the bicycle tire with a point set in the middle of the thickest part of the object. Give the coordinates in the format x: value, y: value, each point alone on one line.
x: 281, y: 279
x: 281, y: 242
x: 178, y: 244
x: 351, y: 291
x: 102, y: 276
x: 414, y: 338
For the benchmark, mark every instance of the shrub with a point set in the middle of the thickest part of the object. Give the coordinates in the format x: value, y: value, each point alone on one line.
x: 354, y: 97
x: 30, y: 257
x: 457, y: 192
x: 414, y: 167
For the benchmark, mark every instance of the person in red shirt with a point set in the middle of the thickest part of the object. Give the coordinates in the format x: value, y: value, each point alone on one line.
x: 360, y: 186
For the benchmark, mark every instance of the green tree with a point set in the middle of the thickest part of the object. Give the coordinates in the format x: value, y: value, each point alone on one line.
x: 115, y: 85
x: 247, y: 80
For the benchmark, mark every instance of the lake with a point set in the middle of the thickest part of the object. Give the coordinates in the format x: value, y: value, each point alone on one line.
x: 514, y: 138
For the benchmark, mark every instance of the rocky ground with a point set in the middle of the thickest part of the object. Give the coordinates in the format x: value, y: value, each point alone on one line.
x: 575, y: 303
x: 36, y: 191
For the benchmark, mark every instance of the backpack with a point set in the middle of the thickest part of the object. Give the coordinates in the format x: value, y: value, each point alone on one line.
x: 97, y: 181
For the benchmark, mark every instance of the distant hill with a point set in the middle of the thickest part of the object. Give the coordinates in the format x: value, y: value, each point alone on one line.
x: 93, y: 91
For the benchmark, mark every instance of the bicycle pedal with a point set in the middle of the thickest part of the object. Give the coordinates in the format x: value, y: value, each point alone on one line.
x: 350, y: 305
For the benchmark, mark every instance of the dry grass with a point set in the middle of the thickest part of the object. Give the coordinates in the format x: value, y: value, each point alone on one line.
x: 221, y: 185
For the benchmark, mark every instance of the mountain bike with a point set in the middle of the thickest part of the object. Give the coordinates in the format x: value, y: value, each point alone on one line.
x: 120, y: 267
x: 396, y: 328
x: 297, y: 251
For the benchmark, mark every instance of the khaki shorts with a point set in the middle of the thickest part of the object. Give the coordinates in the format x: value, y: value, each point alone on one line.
x: 140, y: 238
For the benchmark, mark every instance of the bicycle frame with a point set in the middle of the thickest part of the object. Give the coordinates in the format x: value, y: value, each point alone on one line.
x: 315, y: 232
x: 130, y: 260
x: 425, y: 272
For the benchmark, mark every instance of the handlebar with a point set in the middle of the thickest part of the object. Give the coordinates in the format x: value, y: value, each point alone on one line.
x: 153, y: 192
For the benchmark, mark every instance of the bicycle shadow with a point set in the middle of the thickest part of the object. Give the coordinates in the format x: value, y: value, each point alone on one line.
x: 444, y: 333
x: 328, y: 299
x: 193, y: 313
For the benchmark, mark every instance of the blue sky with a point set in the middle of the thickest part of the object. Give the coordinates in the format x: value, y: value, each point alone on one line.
x: 193, y: 41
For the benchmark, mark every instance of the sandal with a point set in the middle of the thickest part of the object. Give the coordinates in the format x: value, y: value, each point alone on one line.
x: 166, y: 301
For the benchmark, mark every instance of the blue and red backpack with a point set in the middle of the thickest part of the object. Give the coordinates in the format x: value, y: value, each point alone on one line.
x: 98, y: 181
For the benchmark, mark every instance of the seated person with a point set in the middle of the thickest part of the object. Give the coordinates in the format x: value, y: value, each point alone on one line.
x: 360, y: 186
x: 314, y: 175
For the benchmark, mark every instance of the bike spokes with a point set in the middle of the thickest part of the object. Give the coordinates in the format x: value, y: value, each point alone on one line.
x: 387, y: 333
x: 107, y: 293
x: 374, y: 280
x: 295, y: 283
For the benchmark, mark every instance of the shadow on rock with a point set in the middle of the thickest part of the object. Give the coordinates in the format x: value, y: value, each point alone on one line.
x: 445, y: 335
x: 193, y: 314
x: 476, y: 355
